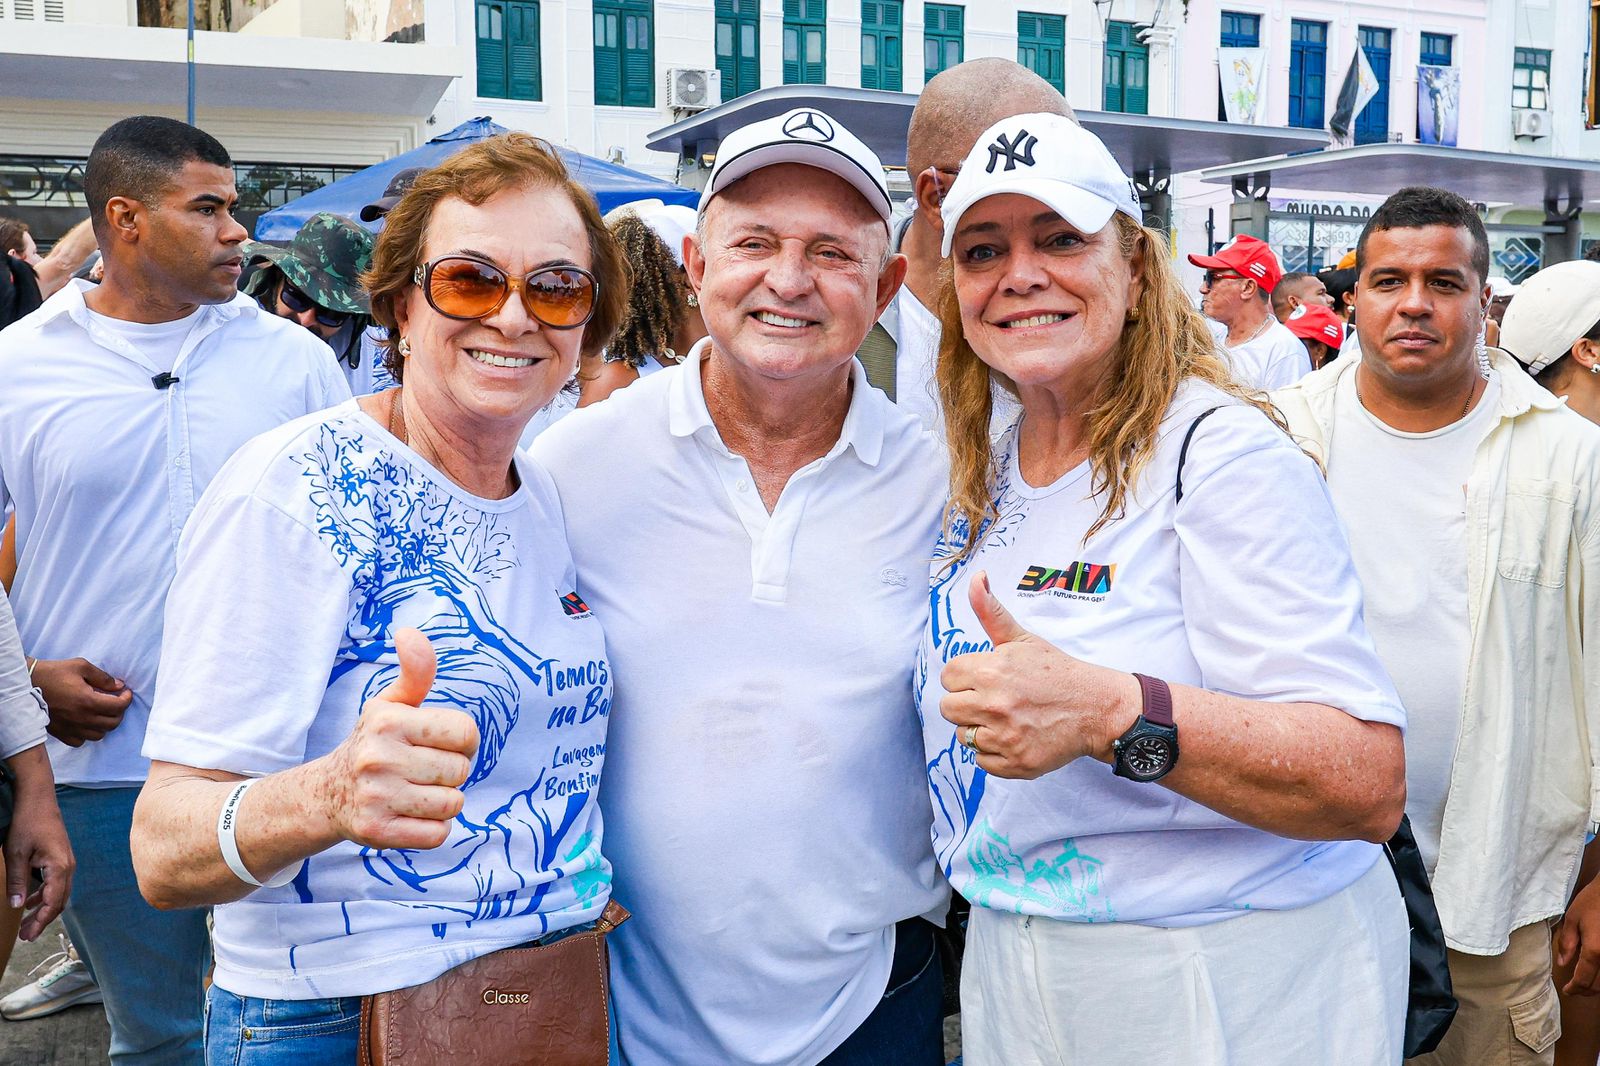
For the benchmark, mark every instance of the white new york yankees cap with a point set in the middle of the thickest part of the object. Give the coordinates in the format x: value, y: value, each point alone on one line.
x: 807, y: 136
x: 1050, y: 158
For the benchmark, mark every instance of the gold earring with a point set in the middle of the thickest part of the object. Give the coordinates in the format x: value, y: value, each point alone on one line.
x: 404, y: 348
x: 1134, y: 313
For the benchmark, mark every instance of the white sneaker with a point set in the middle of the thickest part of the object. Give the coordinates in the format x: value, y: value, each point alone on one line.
x: 66, y: 984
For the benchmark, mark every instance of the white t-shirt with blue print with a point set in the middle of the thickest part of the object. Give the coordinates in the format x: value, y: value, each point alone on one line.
x: 1246, y: 587
x: 312, y: 546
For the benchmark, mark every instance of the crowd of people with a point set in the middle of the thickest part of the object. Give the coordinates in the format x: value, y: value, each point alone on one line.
x: 985, y: 558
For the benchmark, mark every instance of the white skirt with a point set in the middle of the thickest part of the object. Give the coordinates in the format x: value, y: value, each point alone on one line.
x: 1323, y: 985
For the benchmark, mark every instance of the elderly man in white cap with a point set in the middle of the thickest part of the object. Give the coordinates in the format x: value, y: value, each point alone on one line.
x: 755, y: 524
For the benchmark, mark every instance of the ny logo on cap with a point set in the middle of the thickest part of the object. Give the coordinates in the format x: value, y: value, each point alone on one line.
x: 808, y: 126
x: 1018, y: 149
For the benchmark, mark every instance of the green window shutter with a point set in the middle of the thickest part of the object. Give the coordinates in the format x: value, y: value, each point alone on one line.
x: 726, y: 47
x: 791, y: 42
x: 791, y: 55
x: 522, y: 39
x: 607, y: 55
x: 869, y: 45
x: 1136, y: 84
x: 491, y: 34
x: 805, y: 42
x: 638, y: 59
x: 624, y: 53
x: 881, y: 44
x: 890, y: 60
x: 1041, y: 44
x: 750, y: 54
x: 738, y: 46
x: 942, y: 38
x: 1127, y: 70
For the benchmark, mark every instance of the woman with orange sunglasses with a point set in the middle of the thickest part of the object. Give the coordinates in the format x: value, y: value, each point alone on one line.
x: 370, y: 807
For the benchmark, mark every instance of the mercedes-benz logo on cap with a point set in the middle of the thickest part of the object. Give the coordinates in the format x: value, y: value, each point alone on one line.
x: 808, y: 126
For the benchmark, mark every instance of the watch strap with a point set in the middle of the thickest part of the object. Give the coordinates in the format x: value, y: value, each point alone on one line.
x: 1157, y: 698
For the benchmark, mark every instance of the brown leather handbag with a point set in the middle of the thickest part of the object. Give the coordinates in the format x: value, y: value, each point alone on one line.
x: 545, y: 1005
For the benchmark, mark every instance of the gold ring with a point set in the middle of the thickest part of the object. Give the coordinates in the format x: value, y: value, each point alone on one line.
x: 970, y: 742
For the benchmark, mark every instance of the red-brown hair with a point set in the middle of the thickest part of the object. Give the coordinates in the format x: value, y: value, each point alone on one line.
x: 477, y: 174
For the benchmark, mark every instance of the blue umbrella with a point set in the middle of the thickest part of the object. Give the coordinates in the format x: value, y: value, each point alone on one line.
x: 611, y: 185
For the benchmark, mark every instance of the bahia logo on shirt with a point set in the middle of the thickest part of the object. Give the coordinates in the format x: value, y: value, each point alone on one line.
x: 574, y: 606
x: 1077, y: 581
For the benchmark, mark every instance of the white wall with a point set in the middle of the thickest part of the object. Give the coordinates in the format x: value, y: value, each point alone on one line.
x: 298, y: 18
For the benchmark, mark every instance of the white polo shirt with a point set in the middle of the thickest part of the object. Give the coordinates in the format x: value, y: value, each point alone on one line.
x: 765, y: 800
x: 103, y: 469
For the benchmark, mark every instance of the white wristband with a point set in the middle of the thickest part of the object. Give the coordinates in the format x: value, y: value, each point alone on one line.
x: 227, y: 821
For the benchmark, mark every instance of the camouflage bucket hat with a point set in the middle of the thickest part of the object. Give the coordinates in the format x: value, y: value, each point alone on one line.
x: 325, y: 261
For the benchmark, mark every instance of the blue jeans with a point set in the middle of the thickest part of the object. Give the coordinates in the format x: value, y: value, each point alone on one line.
x: 244, y: 1031
x: 247, y: 1031
x: 906, y: 1028
x: 151, y: 965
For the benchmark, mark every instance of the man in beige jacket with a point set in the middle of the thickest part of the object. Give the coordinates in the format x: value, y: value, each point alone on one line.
x: 1472, y: 501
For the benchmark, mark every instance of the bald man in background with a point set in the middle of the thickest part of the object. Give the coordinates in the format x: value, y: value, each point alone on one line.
x: 954, y: 108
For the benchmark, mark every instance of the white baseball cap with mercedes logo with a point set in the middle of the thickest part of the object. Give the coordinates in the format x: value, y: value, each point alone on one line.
x: 806, y: 136
x: 1050, y: 158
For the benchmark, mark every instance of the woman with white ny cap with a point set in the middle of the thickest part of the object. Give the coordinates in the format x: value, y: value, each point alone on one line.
x: 1144, y: 564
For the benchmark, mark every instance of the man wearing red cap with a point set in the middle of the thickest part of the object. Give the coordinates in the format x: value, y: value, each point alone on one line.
x: 1236, y: 295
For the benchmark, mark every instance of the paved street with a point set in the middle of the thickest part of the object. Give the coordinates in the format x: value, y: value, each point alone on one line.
x: 76, y: 1037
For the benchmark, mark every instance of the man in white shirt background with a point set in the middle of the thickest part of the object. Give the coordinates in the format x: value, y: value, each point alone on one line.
x: 122, y: 400
x: 1297, y: 290
x: 953, y: 109
x: 765, y: 795
x: 1472, y: 500
x: 1236, y: 294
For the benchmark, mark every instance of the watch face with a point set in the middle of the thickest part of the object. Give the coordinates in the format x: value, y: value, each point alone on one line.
x: 1146, y: 758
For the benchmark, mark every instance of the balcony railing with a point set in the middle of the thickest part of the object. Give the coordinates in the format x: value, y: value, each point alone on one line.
x: 50, y: 181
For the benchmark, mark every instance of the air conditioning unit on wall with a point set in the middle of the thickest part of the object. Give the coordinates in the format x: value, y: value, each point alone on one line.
x: 690, y: 89
x: 1529, y: 123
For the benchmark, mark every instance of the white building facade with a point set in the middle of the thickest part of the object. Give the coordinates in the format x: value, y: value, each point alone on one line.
x: 299, y: 91
x: 339, y: 84
x: 1524, y: 69
x: 604, y: 80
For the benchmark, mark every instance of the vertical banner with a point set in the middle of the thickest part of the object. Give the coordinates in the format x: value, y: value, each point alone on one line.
x: 1438, y: 104
x: 1359, y: 87
x: 1243, y: 73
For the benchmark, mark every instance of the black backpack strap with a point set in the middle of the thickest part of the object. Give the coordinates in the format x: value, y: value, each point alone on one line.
x: 1183, y: 452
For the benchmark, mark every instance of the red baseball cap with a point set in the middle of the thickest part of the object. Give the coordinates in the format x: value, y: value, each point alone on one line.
x: 1248, y: 256
x: 1315, y: 322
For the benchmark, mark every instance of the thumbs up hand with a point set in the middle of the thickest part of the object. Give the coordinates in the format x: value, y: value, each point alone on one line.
x: 1028, y: 706
x: 396, y: 781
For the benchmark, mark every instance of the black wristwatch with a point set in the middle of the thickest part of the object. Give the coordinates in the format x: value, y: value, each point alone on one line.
x: 1149, y: 749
